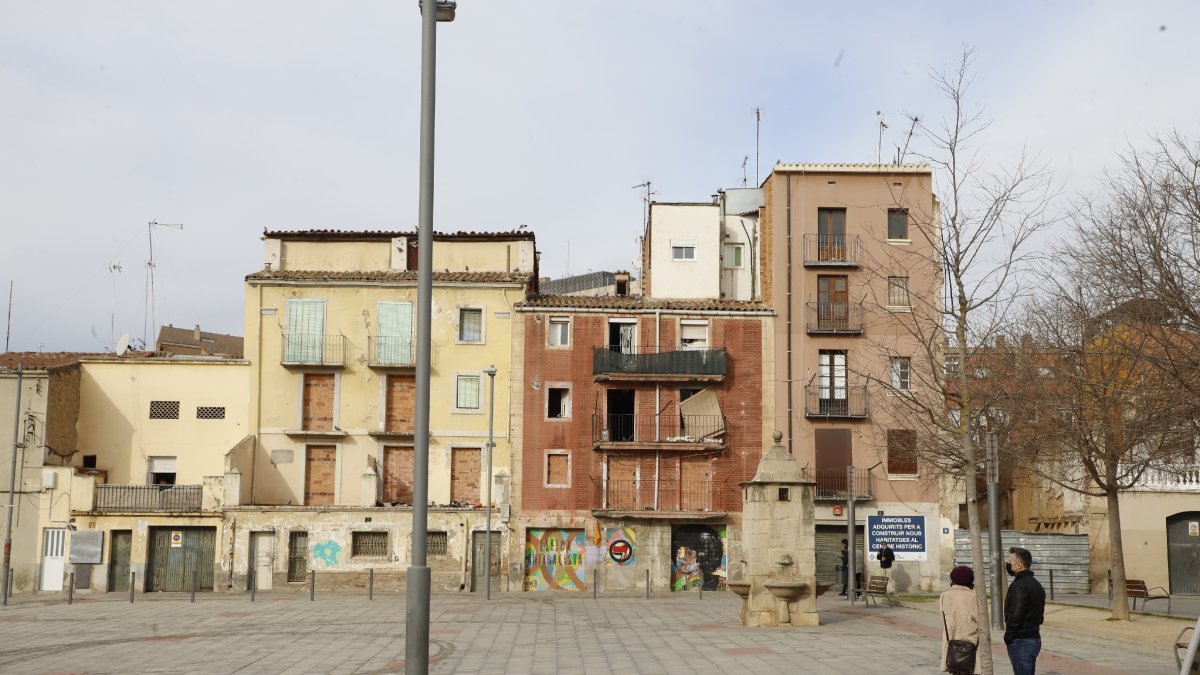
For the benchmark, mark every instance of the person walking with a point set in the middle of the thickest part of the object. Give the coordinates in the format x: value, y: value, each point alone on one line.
x: 886, y: 557
x: 960, y: 617
x: 1024, y: 609
x: 845, y: 568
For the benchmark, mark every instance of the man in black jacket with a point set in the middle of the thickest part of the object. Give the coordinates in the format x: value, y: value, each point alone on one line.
x: 1023, y: 610
x: 886, y: 557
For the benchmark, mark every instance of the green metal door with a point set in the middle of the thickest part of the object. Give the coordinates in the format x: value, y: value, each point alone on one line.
x: 178, y: 553
x: 118, y: 560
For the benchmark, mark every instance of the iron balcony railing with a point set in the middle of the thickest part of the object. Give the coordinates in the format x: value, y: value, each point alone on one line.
x: 665, y: 428
x: 657, y: 495
x: 314, y: 350
x: 831, y: 250
x: 391, y: 351
x: 834, y: 484
x: 148, y: 498
x: 835, y: 317
x: 837, y: 400
x: 1166, y: 478
x: 668, y: 360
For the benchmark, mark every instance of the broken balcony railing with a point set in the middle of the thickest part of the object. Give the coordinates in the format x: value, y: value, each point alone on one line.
x: 664, y: 428
x: 665, y: 360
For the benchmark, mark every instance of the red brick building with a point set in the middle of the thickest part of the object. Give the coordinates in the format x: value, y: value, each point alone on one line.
x: 637, y: 419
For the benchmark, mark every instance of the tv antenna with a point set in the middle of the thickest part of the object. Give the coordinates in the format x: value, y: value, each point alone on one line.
x: 645, y: 200
x: 8, y: 328
x: 113, y: 270
x: 148, y: 319
x: 757, y: 129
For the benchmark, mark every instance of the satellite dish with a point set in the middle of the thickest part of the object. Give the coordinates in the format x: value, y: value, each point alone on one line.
x: 122, y: 344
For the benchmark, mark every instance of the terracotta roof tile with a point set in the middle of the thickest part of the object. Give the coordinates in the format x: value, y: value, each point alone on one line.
x: 384, y: 235
x: 389, y: 275
x: 209, y: 343
x: 41, y: 360
x: 637, y: 302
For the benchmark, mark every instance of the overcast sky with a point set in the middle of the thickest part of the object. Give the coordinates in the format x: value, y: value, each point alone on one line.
x: 229, y: 117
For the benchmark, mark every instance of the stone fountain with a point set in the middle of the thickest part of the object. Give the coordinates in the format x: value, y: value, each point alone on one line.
x: 777, y: 580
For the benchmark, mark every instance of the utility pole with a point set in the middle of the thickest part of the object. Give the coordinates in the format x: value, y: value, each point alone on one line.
x: 851, y: 544
x: 757, y: 128
x: 150, y: 278
x: 12, y: 489
x: 8, y: 329
x: 993, y: 498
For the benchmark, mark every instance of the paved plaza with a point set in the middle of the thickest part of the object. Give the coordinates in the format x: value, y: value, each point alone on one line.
x: 520, y: 633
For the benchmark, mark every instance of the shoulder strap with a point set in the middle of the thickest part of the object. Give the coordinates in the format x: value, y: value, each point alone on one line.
x: 942, y: 609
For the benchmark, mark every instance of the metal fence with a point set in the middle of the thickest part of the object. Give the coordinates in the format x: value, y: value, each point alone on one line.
x: 147, y: 498
x: 832, y: 484
x: 316, y: 350
x: 666, y: 428
x: 668, y: 360
x: 660, y: 495
x: 391, y: 350
x: 1066, y: 554
x: 835, y: 401
x: 835, y: 317
x: 832, y: 250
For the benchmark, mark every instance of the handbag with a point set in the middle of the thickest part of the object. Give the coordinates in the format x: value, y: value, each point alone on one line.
x: 960, y: 654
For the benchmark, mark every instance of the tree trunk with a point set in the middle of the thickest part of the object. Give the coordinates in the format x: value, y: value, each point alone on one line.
x: 978, y: 561
x: 1116, y: 556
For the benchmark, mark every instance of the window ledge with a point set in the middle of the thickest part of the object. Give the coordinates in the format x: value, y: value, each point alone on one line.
x: 898, y: 309
x: 904, y: 476
x: 470, y: 342
x: 557, y: 487
x: 467, y: 411
x: 899, y: 242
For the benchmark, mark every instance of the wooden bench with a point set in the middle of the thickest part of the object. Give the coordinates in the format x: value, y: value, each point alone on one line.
x: 1136, y: 588
x: 877, y: 587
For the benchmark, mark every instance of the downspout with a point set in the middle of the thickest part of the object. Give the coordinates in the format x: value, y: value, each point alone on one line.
x: 657, y: 409
x: 258, y: 401
x: 788, y: 299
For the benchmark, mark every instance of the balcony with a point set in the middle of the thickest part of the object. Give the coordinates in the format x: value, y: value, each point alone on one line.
x: 662, y: 432
x: 834, y: 318
x: 314, y: 350
x: 832, y: 485
x: 148, y: 498
x: 836, y: 402
x: 389, y: 351
x: 837, y: 250
x: 667, y: 363
x: 699, y: 498
x: 1167, y: 478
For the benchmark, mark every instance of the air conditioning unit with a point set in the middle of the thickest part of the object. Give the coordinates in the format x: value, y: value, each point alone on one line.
x: 49, y: 480
x: 505, y: 512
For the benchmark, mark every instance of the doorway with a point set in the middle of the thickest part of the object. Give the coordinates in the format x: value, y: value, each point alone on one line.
x: 262, y: 557
x: 120, y: 547
x: 831, y: 382
x: 1183, y: 553
x: 833, y: 303
x: 54, y: 545
x: 479, y: 559
x: 620, y: 415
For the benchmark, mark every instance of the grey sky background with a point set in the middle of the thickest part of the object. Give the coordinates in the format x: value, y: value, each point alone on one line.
x: 230, y: 117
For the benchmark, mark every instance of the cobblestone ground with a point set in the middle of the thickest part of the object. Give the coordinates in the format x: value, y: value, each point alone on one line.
x: 518, y: 633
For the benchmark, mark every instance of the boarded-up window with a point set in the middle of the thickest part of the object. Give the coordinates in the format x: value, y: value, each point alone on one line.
x: 901, y: 452
x: 319, y: 472
x: 558, y: 469
x: 622, y: 482
x: 317, y: 414
x: 397, y: 474
x: 401, y: 404
x: 695, y: 484
x: 833, y: 449
x: 465, y: 467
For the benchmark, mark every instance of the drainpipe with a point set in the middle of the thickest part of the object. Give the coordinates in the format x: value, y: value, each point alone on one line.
x: 258, y: 397
x: 657, y: 409
x: 788, y: 298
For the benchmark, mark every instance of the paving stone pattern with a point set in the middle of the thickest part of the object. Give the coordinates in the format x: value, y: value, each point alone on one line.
x: 515, y: 633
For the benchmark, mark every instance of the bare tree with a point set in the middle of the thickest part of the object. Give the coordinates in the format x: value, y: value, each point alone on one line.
x: 977, y: 234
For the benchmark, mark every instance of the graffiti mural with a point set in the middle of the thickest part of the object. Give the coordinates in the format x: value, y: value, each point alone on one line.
x: 554, y: 560
x: 620, y: 546
x: 699, y: 557
x: 326, y: 553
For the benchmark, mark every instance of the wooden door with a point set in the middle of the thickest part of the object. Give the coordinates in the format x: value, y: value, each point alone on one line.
x: 120, y: 546
x: 833, y: 303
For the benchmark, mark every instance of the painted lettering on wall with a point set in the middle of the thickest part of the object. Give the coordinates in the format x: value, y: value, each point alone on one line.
x: 554, y: 560
x: 699, y: 557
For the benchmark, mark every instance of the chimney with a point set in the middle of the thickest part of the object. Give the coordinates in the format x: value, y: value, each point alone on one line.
x: 196, y: 333
x: 621, y: 277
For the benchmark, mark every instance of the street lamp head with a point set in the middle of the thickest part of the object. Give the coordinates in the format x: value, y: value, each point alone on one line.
x: 445, y: 9
x: 490, y: 371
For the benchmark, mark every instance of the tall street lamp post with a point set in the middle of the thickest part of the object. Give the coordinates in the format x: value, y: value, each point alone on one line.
x: 491, y: 373
x: 416, y: 615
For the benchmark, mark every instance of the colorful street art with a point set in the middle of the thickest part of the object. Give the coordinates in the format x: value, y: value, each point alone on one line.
x: 554, y: 560
x: 621, y: 545
x: 326, y: 553
x: 699, y: 558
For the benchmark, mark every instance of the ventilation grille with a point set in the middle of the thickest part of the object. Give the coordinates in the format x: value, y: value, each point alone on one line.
x: 164, y: 410
x: 210, y: 412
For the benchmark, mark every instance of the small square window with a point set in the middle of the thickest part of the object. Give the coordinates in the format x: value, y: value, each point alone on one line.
x: 785, y: 495
x: 558, y: 403
x: 733, y: 256
x: 897, y: 224
x: 683, y: 252
x: 467, y: 392
x: 210, y: 412
x: 470, y: 325
x: 368, y: 544
x: 164, y: 410
x: 558, y: 469
x: 89, y: 461
x: 560, y: 332
x: 693, y: 335
x: 437, y: 543
x: 898, y: 292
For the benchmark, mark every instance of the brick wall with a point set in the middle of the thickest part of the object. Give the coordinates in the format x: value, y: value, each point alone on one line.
x: 319, y: 393
x: 401, y: 404
x: 319, y: 475
x: 465, y: 468
x: 397, y: 474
